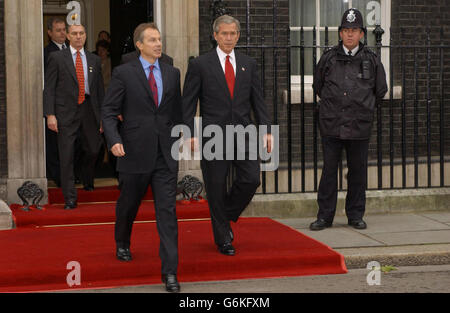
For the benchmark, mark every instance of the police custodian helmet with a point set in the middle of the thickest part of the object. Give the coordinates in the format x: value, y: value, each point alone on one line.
x: 352, y: 18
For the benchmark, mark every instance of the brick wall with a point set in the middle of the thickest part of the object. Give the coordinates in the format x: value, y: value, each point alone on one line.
x: 410, y: 21
x: 3, y: 154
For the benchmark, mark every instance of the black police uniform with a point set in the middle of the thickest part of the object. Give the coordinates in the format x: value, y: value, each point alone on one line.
x: 349, y: 88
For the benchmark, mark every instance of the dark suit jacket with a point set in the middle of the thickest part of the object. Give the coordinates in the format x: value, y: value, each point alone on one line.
x: 205, y: 80
x: 61, y: 86
x: 135, y: 54
x: 145, y: 126
x: 51, y: 47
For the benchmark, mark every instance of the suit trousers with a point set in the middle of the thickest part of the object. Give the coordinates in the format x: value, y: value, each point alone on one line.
x: 355, y: 202
x: 133, y: 188
x: 84, y: 127
x: 52, y: 155
x: 228, y: 206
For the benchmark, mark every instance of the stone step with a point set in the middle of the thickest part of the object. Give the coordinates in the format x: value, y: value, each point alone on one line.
x: 297, y: 205
x: 6, y: 221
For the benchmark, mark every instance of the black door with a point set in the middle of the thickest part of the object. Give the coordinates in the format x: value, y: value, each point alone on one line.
x: 126, y: 15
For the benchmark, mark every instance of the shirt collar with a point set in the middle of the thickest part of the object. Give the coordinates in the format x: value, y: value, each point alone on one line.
x: 146, y: 64
x: 59, y: 45
x: 74, y: 51
x: 354, y: 50
x: 222, y: 55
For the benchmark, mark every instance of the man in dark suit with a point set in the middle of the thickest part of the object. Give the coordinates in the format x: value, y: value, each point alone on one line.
x: 147, y: 94
x: 135, y: 55
x: 229, y: 88
x: 56, y: 30
x: 73, y: 94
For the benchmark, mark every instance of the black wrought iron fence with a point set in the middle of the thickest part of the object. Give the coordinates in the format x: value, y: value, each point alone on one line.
x: 410, y: 146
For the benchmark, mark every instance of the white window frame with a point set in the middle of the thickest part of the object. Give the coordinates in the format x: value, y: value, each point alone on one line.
x: 386, y: 6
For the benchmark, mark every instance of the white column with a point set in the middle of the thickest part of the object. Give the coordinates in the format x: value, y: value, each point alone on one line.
x: 180, y: 22
x: 23, y: 53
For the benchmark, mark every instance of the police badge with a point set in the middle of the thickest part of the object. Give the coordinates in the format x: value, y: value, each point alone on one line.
x: 351, y: 17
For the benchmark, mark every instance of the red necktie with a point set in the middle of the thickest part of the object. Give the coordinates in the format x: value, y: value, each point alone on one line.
x: 80, y: 78
x: 153, y: 86
x: 229, y: 76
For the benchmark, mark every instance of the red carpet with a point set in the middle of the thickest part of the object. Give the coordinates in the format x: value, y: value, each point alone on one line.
x: 36, y: 259
x: 100, y: 194
x: 87, y: 213
x: 34, y: 256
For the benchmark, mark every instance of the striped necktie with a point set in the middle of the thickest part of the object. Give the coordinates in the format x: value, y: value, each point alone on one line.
x: 80, y: 78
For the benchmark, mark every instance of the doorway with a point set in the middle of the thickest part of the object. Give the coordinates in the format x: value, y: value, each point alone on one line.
x: 119, y: 19
x: 125, y: 16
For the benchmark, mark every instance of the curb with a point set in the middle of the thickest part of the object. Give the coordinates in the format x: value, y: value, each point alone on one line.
x: 413, y: 255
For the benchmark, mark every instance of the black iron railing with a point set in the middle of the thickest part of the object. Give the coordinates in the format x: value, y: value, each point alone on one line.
x: 410, y: 146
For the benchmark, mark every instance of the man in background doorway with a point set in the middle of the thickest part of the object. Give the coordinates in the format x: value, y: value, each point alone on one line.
x: 56, y: 30
x: 73, y: 94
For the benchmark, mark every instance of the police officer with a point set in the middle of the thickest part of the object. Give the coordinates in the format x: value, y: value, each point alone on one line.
x: 350, y: 81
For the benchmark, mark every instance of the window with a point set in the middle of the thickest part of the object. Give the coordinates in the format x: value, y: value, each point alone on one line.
x: 321, y: 13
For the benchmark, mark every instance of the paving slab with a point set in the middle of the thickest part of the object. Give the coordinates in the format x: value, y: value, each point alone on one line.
x: 410, y: 238
x: 338, y: 236
x: 442, y: 217
x: 342, y: 238
x: 391, y: 223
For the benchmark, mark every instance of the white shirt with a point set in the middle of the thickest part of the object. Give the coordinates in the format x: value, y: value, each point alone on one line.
x: 354, y: 50
x: 60, y: 45
x: 85, y: 66
x: 223, y: 58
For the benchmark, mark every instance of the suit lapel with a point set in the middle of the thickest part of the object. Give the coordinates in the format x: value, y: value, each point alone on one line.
x: 142, y: 78
x: 90, y: 68
x: 217, y: 70
x: 165, y: 80
x: 68, y: 59
x: 239, y: 68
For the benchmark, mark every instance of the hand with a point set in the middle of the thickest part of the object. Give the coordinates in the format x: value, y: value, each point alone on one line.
x: 120, y: 117
x: 193, y: 143
x: 52, y: 123
x: 268, y: 142
x: 117, y: 150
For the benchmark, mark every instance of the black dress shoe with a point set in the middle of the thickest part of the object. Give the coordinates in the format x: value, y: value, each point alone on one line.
x: 320, y: 224
x: 70, y: 205
x: 123, y: 254
x: 226, y: 249
x: 171, y: 282
x: 358, y: 224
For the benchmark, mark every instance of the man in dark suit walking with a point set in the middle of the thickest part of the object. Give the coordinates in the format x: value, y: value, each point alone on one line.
x: 56, y: 30
x: 73, y: 94
x: 229, y: 88
x: 147, y: 94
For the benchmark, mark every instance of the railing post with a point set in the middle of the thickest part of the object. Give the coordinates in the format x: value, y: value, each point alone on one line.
x: 378, y: 32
